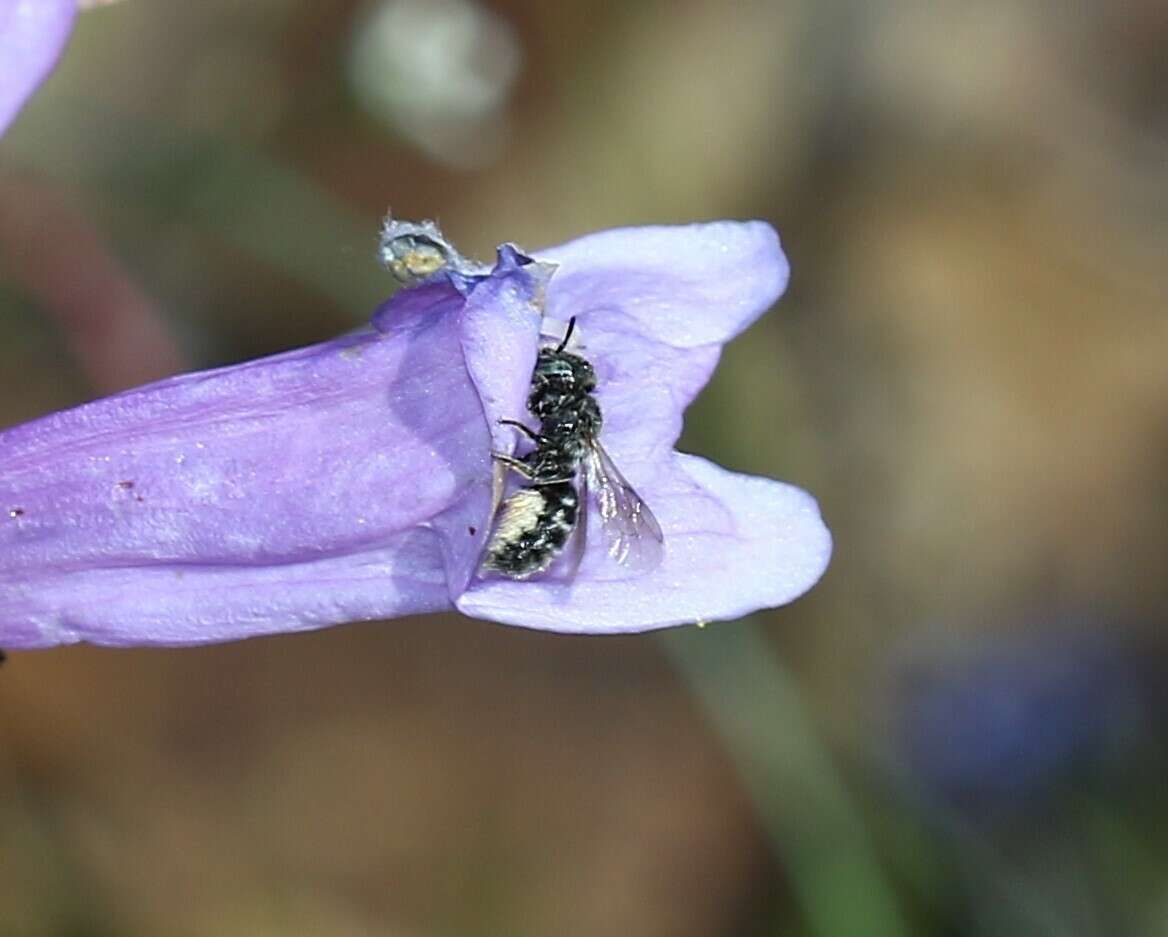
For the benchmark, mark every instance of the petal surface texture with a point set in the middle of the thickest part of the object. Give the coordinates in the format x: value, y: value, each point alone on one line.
x: 325, y: 485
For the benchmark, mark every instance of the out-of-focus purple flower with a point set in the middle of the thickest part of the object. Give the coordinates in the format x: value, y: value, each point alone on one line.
x: 32, y: 34
x: 998, y: 726
x: 353, y: 479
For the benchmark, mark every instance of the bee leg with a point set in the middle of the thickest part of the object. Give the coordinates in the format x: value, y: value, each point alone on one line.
x: 512, y: 463
x: 526, y: 430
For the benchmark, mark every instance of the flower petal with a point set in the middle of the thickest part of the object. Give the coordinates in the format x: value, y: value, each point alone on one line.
x: 500, y: 336
x: 353, y: 479
x: 32, y: 34
x: 643, y: 387
x: 174, y: 604
x: 733, y: 544
x: 653, y: 308
x: 683, y: 286
x: 324, y: 485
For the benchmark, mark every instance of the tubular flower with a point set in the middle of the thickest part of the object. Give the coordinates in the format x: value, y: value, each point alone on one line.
x: 355, y: 479
x: 32, y: 34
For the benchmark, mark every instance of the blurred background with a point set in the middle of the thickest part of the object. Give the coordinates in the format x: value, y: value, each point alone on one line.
x: 963, y: 730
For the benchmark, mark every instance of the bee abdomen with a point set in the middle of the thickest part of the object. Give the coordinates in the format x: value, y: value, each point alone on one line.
x: 534, y: 524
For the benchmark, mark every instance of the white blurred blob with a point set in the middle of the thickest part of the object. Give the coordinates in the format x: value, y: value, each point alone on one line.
x: 439, y: 72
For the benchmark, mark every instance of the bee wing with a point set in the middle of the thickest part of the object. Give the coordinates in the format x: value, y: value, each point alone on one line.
x: 631, y: 531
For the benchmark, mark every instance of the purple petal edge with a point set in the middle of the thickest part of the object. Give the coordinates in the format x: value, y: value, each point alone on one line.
x: 32, y: 35
x: 683, y: 285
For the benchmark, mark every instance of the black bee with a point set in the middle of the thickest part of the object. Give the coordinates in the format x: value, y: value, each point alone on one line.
x: 537, y: 521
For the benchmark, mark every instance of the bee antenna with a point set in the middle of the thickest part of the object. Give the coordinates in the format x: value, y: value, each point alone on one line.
x: 567, y: 335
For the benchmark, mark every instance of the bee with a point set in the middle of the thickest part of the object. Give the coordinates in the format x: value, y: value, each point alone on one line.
x: 566, y: 466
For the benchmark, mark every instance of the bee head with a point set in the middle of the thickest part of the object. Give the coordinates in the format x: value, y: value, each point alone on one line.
x: 563, y: 371
x: 561, y: 381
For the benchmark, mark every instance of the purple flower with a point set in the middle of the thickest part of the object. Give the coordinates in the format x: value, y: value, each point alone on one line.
x: 32, y: 34
x: 353, y: 479
x: 995, y: 726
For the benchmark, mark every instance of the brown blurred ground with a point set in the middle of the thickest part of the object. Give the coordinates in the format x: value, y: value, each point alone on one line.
x: 968, y: 371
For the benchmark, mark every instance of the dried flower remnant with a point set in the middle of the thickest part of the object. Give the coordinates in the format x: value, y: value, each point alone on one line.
x: 354, y: 479
x: 413, y: 250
